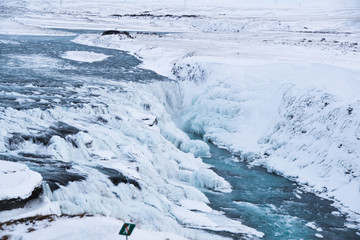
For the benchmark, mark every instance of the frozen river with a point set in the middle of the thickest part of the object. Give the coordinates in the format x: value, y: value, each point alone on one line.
x: 42, y: 72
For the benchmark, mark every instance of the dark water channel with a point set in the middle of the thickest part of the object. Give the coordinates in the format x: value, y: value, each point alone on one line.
x: 274, y: 205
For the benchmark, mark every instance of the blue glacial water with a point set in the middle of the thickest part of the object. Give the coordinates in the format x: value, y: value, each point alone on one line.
x: 272, y: 204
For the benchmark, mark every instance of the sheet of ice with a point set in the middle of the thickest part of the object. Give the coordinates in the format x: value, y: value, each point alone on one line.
x: 84, y: 56
x: 17, y: 180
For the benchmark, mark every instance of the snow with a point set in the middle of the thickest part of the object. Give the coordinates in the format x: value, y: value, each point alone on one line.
x: 13, y: 27
x: 17, y: 181
x: 276, y: 81
x: 313, y: 226
x: 96, y: 227
x: 206, y: 178
x: 84, y: 56
x: 318, y: 235
x: 195, y: 205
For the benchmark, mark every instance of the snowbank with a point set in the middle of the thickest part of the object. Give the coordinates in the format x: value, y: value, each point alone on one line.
x: 83, y: 56
x: 79, y: 228
x: 17, y: 181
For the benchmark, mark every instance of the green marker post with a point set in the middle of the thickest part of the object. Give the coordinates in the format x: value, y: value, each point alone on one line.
x: 127, y: 229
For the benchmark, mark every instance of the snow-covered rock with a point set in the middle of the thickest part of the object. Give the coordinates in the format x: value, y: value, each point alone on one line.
x: 18, y: 185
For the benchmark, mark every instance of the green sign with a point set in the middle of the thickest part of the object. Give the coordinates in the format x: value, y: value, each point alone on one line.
x: 127, y: 229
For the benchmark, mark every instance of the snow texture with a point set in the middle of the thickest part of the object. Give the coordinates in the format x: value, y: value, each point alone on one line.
x: 83, y: 56
x: 17, y: 181
x: 82, y: 228
x: 274, y: 81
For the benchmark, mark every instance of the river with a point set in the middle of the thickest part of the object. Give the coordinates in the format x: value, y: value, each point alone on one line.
x: 278, y: 207
x: 33, y: 75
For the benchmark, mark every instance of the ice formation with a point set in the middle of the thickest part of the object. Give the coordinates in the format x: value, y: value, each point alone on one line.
x: 277, y: 85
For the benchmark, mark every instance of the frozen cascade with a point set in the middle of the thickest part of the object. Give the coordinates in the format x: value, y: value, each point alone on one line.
x: 302, y: 129
x: 116, y: 153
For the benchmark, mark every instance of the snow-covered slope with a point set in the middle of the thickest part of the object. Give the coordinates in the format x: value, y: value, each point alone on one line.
x: 80, y: 227
x: 17, y: 181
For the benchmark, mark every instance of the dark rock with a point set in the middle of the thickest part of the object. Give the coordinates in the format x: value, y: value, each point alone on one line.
x: 154, y: 123
x: 116, y: 32
x: 146, y: 106
x: 55, y: 173
x: 32, y: 155
x: 149, y: 15
x: 117, y: 177
x: 60, y: 129
x: 9, y: 204
x: 111, y: 32
x: 56, y: 177
x: 102, y: 120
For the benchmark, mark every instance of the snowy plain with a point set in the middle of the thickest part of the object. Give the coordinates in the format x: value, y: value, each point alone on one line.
x: 276, y: 82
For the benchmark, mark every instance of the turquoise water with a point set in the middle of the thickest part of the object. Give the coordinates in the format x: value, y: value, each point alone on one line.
x: 272, y: 204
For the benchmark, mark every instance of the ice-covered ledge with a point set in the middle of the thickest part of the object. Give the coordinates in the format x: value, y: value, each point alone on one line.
x: 18, y: 185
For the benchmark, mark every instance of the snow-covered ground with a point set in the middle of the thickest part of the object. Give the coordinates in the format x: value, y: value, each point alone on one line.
x: 275, y: 81
x: 80, y: 227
